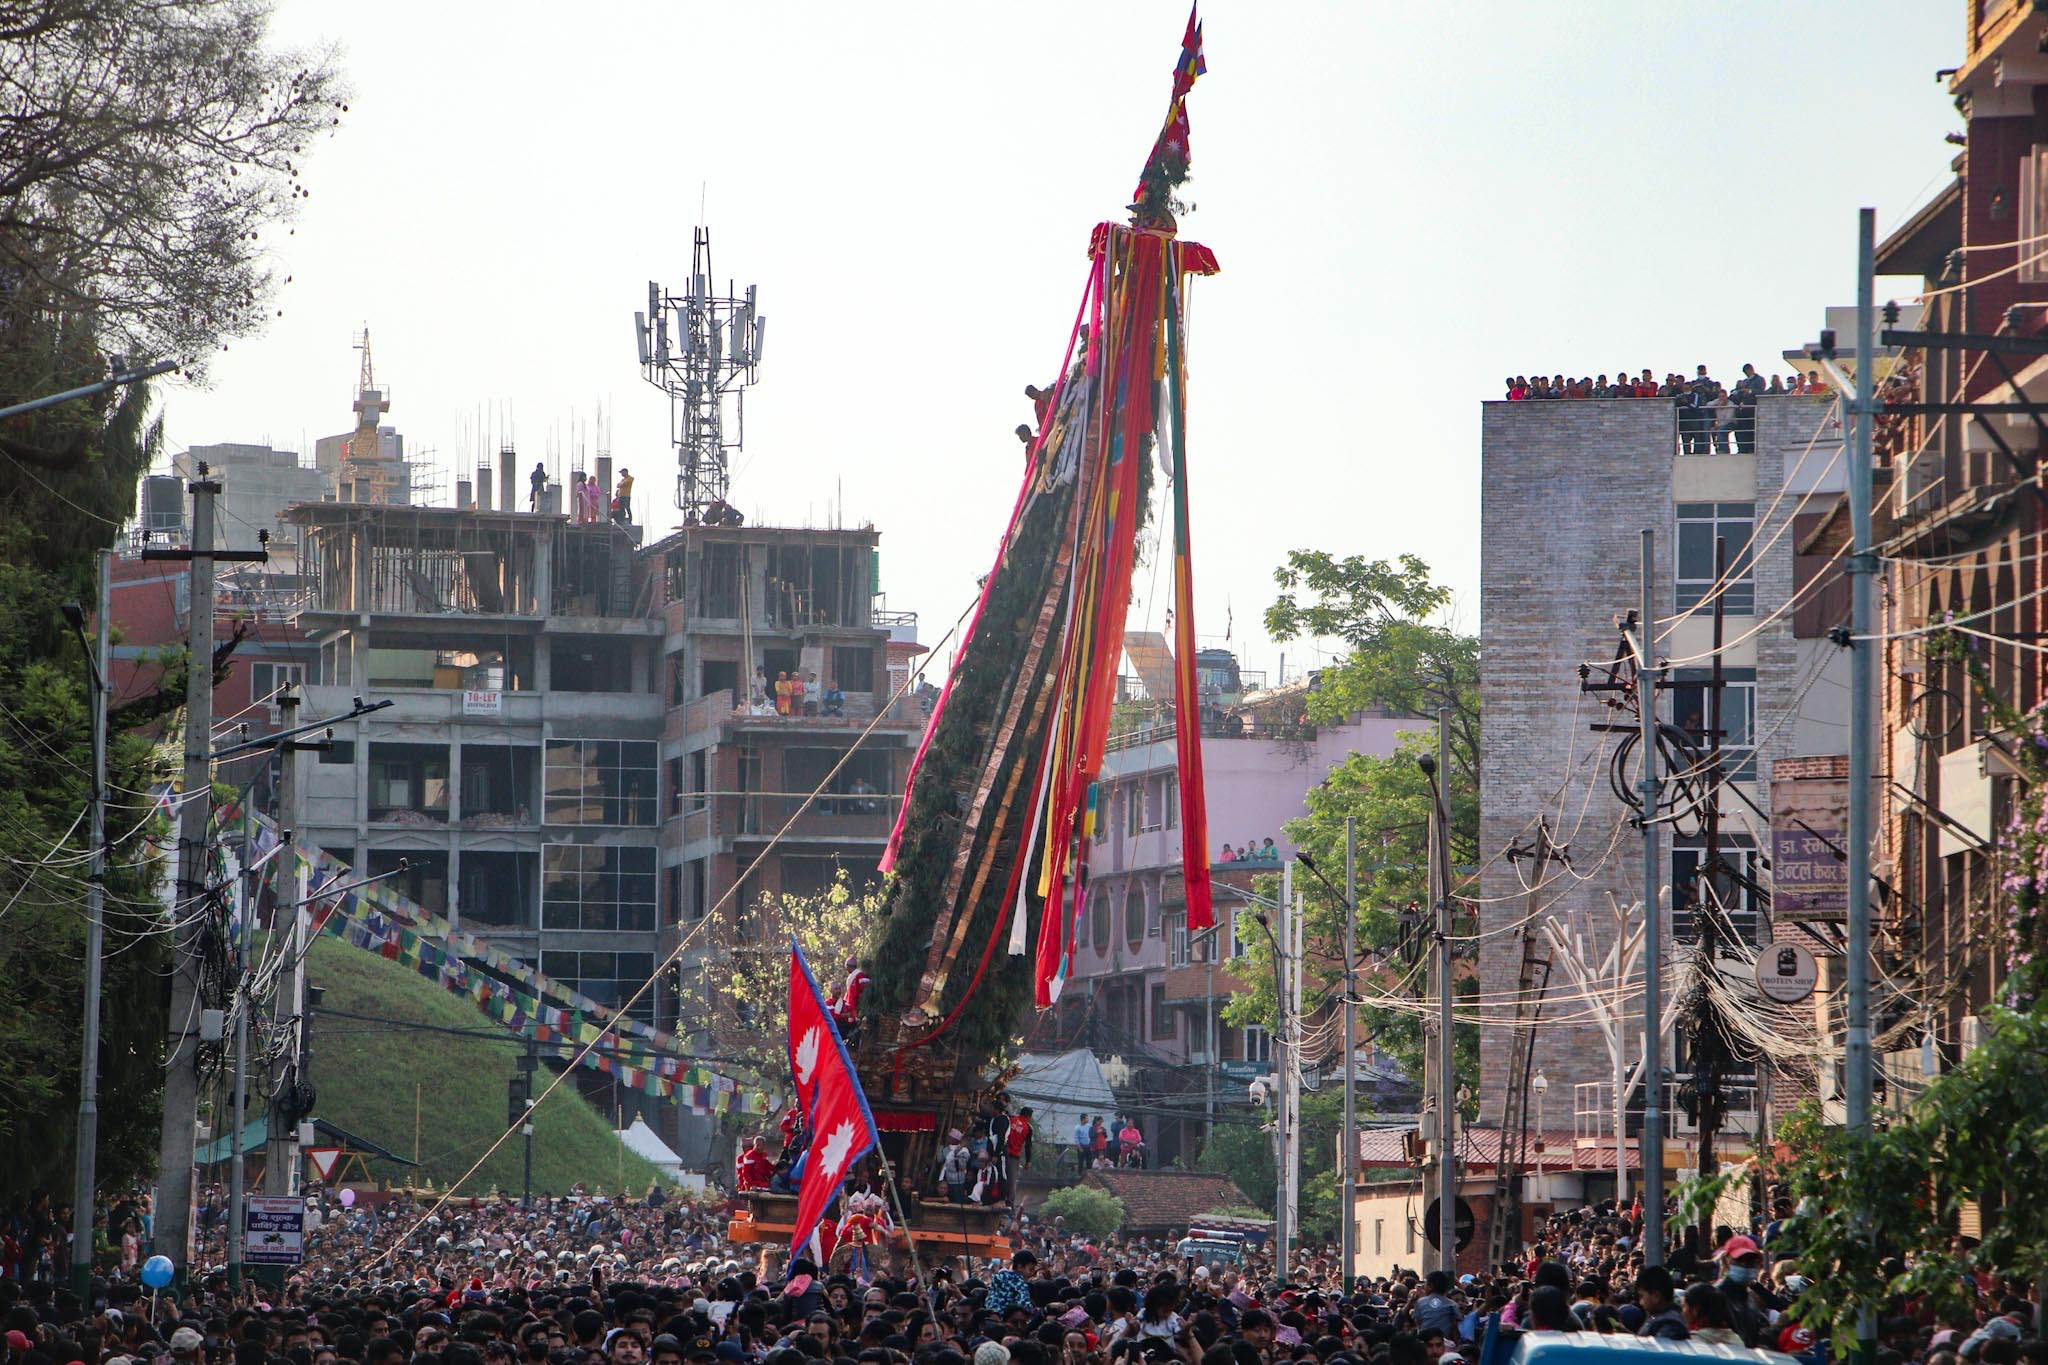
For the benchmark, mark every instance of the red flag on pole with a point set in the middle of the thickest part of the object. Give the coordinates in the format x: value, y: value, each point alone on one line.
x: 828, y: 1095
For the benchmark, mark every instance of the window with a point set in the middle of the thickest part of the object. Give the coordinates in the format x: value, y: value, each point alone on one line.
x: 1134, y: 915
x: 1154, y: 806
x: 1104, y: 814
x: 2033, y: 195
x: 1738, y: 893
x: 583, y: 886
x: 1162, y: 1015
x: 1258, y: 1045
x: 853, y: 667
x: 1177, y: 940
x: 266, y: 680
x: 409, y: 783
x: 1691, y: 708
x: 1169, y: 800
x: 600, y: 782
x: 607, y: 978
x: 1237, y: 933
x: 1699, y: 525
x: 1133, y: 797
x: 497, y: 784
x: 1379, y: 1235
x: 1098, y: 920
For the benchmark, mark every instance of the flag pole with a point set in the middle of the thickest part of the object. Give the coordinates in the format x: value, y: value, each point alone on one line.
x: 902, y: 1218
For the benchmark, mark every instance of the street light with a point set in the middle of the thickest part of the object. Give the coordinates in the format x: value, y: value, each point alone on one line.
x: 1541, y: 1085
x: 1209, y: 1039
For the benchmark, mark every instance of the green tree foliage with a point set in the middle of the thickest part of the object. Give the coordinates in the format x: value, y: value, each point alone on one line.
x: 46, y: 757
x: 1089, y: 1212
x: 741, y: 996
x: 1241, y: 1148
x: 1398, y: 662
x: 145, y: 150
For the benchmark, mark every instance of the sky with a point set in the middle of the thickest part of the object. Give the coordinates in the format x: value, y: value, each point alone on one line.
x: 1409, y: 201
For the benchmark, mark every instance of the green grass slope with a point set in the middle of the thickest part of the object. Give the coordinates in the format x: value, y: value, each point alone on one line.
x: 366, y: 1075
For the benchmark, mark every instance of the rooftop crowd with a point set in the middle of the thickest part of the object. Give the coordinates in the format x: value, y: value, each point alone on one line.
x: 1713, y: 418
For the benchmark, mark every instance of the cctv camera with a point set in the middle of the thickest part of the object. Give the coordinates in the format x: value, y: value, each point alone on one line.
x: 1427, y: 764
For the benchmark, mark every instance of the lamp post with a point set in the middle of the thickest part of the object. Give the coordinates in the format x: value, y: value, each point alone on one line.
x: 1208, y: 935
x: 1541, y: 1085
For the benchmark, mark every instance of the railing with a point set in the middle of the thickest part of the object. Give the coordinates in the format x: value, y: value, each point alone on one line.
x: 1593, y: 1110
x: 852, y: 815
x: 1162, y: 732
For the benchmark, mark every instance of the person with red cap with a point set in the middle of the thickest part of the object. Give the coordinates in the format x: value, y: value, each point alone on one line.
x: 1748, y: 1303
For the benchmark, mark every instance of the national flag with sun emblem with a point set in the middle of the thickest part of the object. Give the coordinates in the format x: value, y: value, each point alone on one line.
x: 828, y: 1095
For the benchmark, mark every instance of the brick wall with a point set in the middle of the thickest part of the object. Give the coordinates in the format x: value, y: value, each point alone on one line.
x: 1567, y: 489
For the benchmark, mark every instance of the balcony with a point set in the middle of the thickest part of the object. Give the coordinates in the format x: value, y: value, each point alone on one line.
x: 833, y: 816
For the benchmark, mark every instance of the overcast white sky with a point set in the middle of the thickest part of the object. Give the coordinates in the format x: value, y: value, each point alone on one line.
x: 1409, y: 201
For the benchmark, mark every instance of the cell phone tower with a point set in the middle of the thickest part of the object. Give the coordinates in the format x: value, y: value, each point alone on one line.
x: 702, y: 348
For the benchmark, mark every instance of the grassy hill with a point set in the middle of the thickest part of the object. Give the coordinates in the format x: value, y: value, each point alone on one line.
x: 367, y: 1075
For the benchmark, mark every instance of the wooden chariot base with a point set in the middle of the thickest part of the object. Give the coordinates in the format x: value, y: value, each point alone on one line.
x: 939, y: 1230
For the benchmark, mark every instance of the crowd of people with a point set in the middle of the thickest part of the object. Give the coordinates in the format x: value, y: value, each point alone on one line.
x: 1712, y: 418
x: 1251, y: 851
x: 592, y: 1280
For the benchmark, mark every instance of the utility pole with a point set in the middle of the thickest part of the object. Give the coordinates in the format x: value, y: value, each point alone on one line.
x: 244, y: 1000
x: 529, y: 1066
x: 1281, y: 1061
x: 173, y: 1237
x: 1347, y: 1216
x: 1862, y: 568
x: 1291, y: 1078
x: 280, y: 1151
x: 1652, y: 1145
x: 85, y: 1192
x: 1709, y: 1039
x: 1446, y: 1039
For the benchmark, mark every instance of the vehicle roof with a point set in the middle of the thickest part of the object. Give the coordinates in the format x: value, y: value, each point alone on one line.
x: 1569, y: 1348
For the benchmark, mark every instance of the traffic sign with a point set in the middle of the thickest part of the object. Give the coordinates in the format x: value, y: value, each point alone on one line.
x: 324, y: 1160
x: 1785, y: 973
x: 275, y: 1231
x: 1433, y: 1221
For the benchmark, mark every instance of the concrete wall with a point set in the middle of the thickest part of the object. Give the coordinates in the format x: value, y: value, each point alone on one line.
x: 1567, y: 489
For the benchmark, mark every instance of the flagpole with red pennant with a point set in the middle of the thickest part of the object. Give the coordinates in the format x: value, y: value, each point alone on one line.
x: 828, y: 1095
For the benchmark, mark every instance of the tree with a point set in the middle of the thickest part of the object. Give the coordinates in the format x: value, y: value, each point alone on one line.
x: 1089, y: 1212
x: 1242, y: 1149
x: 1401, y: 664
x: 741, y: 993
x: 145, y: 149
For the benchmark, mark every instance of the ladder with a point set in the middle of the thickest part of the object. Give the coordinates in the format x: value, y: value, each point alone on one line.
x: 1532, y: 982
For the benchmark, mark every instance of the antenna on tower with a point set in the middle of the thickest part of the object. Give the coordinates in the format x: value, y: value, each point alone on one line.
x: 702, y: 348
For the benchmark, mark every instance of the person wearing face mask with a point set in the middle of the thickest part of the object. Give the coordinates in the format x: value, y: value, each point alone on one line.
x: 1749, y: 1304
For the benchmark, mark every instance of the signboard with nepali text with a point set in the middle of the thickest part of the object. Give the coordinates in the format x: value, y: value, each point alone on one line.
x: 276, y: 1231
x: 1809, y: 809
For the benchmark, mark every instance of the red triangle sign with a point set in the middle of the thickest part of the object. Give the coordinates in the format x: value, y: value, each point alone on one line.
x: 324, y: 1160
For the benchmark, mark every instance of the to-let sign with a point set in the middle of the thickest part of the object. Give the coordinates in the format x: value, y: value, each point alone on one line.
x: 483, y: 703
x: 276, y: 1229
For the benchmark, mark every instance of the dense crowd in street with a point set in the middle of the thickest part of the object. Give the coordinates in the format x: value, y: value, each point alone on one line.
x: 595, y: 1280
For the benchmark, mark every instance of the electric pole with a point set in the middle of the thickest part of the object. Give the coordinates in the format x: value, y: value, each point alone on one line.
x: 1652, y: 1144
x: 280, y: 1149
x: 173, y: 1208
x: 1862, y: 568
x: 85, y: 1192
x: 242, y: 1002
x: 1446, y: 1040
x: 1348, y: 1215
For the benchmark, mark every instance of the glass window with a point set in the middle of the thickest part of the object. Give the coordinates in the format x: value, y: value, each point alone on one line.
x: 1177, y: 940
x: 1691, y: 710
x: 601, y: 782
x: 266, y: 680
x: 1739, y: 882
x: 1098, y: 920
x: 1134, y: 915
x: 1133, y: 797
x: 1258, y: 1044
x: 1699, y: 525
x: 1162, y: 1015
x: 409, y: 783
x: 608, y: 978
x: 584, y: 886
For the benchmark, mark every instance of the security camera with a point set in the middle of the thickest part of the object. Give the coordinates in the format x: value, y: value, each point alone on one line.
x: 1427, y: 763
x: 1258, y: 1094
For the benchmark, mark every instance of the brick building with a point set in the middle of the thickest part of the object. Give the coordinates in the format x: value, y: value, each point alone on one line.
x: 1567, y: 489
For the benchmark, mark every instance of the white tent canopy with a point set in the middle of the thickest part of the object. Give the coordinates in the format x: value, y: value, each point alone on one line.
x: 1062, y: 1088
x: 644, y: 1141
